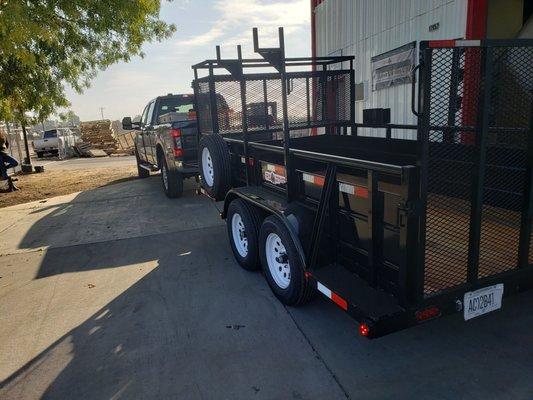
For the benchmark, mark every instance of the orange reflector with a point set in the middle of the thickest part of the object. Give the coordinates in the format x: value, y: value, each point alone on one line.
x: 364, y: 329
x: 427, y: 313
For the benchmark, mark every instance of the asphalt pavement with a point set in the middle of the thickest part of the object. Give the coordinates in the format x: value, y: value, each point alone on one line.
x: 119, y: 292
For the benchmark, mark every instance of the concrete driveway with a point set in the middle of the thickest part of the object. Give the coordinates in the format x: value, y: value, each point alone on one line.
x: 120, y: 292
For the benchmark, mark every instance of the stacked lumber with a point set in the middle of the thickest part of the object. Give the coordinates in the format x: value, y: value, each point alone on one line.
x: 126, y: 142
x: 100, y: 135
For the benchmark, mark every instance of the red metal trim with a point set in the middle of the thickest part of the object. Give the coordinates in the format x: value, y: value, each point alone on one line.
x: 476, y: 19
x: 441, y: 43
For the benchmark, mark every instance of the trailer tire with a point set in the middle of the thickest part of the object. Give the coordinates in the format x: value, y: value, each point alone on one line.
x: 171, y: 180
x: 281, y: 263
x: 141, y: 172
x: 244, y: 219
x: 215, y: 165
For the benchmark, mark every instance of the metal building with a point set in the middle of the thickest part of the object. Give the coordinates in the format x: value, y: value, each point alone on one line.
x: 378, y: 31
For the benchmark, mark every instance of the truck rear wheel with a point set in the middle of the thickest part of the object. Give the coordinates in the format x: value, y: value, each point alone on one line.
x: 142, y: 172
x: 243, y: 222
x: 215, y: 165
x: 172, y: 180
x: 281, y: 263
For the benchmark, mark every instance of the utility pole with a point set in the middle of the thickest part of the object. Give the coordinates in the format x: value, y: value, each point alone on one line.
x: 102, y: 112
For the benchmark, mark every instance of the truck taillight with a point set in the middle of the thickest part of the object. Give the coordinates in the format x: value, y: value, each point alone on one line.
x: 178, y: 150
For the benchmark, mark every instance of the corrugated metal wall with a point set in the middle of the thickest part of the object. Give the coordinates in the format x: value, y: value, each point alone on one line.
x: 366, y: 28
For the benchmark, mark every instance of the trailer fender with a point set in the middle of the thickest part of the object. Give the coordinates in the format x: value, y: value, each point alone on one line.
x: 293, y: 216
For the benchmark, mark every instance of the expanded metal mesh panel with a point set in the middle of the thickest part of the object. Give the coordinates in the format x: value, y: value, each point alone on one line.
x: 229, y: 105
x: 458, y: 83
x: 450, y: 163
x: 314, y: 99
x: 204, y: 110
x: 506, y: 160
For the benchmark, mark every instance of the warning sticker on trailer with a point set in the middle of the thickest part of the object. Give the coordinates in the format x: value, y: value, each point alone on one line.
x: 274, y: 178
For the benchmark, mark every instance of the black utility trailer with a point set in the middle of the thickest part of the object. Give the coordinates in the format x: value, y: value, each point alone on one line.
x: 394, y: 231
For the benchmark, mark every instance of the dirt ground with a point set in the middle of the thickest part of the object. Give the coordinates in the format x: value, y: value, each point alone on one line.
x: 47, y: 184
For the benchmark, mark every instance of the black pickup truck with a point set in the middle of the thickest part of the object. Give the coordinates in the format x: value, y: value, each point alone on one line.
x: 166, y: 140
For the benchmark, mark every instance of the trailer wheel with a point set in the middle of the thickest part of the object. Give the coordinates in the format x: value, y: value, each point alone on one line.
x: 172, y: 180
x: 215, y: 165
x: 141, y: 172
x: 281, y: 264
x: 243, y: 222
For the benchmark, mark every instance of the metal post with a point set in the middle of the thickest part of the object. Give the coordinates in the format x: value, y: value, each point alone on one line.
x: 213, y: 101
x: 452, y: 100
x: 375, y: 227
x: 424, y: 94
x: 527, y: 205
x: 482, y: 132
x: 265, y: 99
x: 308, y: 102
x: 27, y: 160
x: 291, y: 185
x: 352, y: 96
x: 242, y: 82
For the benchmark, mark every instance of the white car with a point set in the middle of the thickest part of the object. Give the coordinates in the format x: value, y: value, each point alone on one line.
x: 57, y: 142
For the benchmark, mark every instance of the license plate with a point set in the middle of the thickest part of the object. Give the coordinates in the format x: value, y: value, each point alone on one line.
x: 482, y: 301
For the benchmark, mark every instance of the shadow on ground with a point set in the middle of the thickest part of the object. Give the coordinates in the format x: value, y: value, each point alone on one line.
x: 196, y: 326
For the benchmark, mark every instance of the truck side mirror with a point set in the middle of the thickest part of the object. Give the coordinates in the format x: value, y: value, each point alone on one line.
x: 127, y: 124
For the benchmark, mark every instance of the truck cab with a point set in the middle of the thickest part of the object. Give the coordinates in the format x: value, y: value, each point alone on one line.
x: 166, y: 140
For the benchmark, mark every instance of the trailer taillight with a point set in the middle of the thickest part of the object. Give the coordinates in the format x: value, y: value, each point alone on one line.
x: 427, y: 313
x: 364, y: 329
x: 178, y: 152
x: 175, y: 133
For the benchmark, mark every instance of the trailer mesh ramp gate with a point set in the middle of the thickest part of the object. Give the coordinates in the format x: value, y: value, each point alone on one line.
x: 477, y: 118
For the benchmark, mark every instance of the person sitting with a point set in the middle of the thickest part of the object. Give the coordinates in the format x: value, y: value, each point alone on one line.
x: 6, y: 162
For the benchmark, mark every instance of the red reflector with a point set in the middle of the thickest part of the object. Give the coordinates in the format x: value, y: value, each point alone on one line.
x: 175, y: 133
x: 178, y: 152
x: 361, y: 192
x: 192, y: 115
x: 442, y: 43
x: 339, y: 301
x: 364, y: 330
x: 427, y: 313
x: 251, y: 162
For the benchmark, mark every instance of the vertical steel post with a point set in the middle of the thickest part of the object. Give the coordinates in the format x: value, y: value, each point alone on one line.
x: 482, y: 133
x: 196, y: 91
x: 527, y: 205
x: 375, y: 227
x: 213, y: 101
x: 308, y: 101
x: 424, y: 107
x: 291, y: 185
x: 265, y: 99
x: 352, y: 96
x: 448, y: 134
x: 244, y: 112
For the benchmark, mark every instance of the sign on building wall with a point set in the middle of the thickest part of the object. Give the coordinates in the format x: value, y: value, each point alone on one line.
x: 393, y: 67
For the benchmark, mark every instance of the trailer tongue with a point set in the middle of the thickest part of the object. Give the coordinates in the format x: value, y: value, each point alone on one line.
x: 396, y: 232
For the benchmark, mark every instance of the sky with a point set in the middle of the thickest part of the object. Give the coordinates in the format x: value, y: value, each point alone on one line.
x: 125, y: 88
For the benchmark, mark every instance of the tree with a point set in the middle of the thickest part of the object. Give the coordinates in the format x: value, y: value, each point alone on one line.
x: 45, y: 44
x: 70, y: 117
